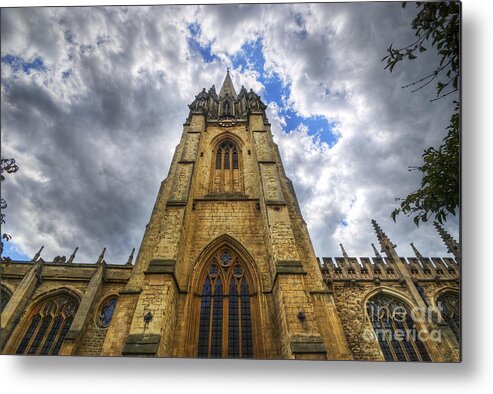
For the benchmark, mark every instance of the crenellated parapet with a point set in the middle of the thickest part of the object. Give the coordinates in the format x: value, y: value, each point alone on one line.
x: 376, y: 269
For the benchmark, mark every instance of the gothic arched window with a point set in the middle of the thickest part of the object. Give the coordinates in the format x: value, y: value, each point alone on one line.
x: 449, y: 306
x: 395, y: 330
x: 48, y: 323
x: 226, y: 170
x: 225, y: 326
x: 106, y: 311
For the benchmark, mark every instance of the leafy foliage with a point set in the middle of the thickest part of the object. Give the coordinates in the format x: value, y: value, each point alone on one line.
x: 438, y: 24
x: 8, y: 166
x: 439, y: 193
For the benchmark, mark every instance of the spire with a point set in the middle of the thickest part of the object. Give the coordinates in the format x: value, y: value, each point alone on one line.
x: 346, y: 257
x: 101, y: 256
x: 385, y: 242
x: 378, y: 255
x: 72, y: 256
x: 419, y: 256
x: 228, y: 87
x: 131, y: 257
x: 451, y: 244
x: 36, y: 256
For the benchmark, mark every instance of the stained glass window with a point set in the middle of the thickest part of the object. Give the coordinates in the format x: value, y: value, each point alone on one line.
x: 225, y: 325
x: 226, y: 174
x: 47, y: 326
x: 397, y: 334
x: 106, y: 311
x: 449, y: 306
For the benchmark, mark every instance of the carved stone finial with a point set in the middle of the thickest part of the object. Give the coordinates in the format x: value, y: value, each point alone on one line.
x: 101, y: 256
x: 377, y: 254
x: 131, y: 257
x: 451, y: 244
x: 419, y: 256
x: 59, y: 259
x: 72, y: 256
x: 344, y: 252
x: 36, y: 256
x: 383, y: 239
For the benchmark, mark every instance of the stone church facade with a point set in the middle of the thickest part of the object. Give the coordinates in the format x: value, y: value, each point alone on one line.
x: 226, y: 269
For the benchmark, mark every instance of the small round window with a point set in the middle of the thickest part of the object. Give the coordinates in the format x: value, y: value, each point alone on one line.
x: 106, y: 311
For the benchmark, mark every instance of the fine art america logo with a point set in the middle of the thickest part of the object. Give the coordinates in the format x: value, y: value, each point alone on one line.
x: 395, y: 323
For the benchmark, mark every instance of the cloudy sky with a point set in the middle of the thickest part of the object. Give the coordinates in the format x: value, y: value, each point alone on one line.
x: 93, y: 102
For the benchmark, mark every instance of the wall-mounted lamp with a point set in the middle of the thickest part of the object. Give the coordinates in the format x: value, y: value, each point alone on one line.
x: 148, y: 318
x: 301, y: 316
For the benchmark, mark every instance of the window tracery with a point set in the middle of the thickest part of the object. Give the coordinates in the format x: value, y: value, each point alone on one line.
x: 225, y: 326
x: 106, y: 311
x: 226, y: 171
x: 393, y: 326
x: 449, y: 306
x: 48, y: 325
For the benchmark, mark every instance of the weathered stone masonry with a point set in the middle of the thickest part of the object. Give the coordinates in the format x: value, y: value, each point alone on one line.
x: 294, y: 306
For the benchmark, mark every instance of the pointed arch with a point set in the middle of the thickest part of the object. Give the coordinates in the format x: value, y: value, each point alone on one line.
x: 48, y: 320
x: 219, y: 242
x: 447, y: 302
x: 226, y: 168
x: 390, y: 314
x: 226, y: 284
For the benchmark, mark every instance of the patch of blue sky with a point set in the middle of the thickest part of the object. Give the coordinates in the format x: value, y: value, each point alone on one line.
x: 17, y: 64
x: 251, y: 57
x: 195, y: 46
x: 10, y: 249
x: 343, y: 223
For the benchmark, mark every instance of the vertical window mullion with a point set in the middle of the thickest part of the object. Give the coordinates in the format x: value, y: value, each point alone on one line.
x: 240, y: 323
x: 66, y: 326
x: 29, y: 335
x: 388, y: 341
x: 52, y: 334
x: 36, y: 343
x: 400, y: 342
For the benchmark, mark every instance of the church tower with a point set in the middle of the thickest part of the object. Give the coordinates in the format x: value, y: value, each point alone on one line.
x: 226, y: 267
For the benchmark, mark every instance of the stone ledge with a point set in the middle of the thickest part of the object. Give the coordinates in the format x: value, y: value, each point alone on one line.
x: 274, y: 202
x: 132, y: 290
x: 161, y: 267
x: 143, y: 338
x: 289, y: 267
x: 233, y: 196
x: 141, y: 344
x: 307, y: 345
x: 176, y: 203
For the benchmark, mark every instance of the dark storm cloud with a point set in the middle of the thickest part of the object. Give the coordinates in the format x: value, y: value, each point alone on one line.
x: 91, y: 146
x: 94, y: 131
